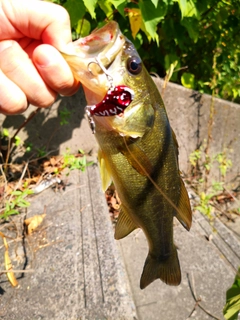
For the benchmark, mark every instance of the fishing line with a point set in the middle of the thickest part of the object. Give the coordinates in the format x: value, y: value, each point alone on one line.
x: 153, y: 182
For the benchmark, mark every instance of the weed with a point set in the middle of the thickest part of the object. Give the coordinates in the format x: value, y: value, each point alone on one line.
x: 73, y: 162
x: 202, y: 165
x: 232, y: 307
x: 64, y: 116
x: 41, y: 152
x: 16, y: 201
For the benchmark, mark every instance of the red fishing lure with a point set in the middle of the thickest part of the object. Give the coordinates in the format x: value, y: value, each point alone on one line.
x: 115, y: 102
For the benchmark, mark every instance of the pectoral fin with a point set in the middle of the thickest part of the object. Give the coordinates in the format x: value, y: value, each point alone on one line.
x: 138, y: 159
x: 184, y: 213
x: 104, y: 171
x: 135, y: 122
x: 124, y: 225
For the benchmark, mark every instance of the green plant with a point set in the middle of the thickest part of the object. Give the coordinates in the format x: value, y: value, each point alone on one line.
x: 223, y: 163
x: 41, y: 152
x: 7, y: 145
x: 231, y: 310
x: 10, y: 142
x: 17, y: 200
x: 73, y: 162
x: 204, y: 205
x: 202, y: 165
x: 64, y: 116
x: 201, y: 36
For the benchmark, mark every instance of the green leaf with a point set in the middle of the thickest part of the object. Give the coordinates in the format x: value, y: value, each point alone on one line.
x: 106, y: 6
x: 171, y: 63
x: 120, y: 5
x: 16, y: 193
x: 155, y: 2
x: 187, y: 80
x: 192, y: 26
x: 27, y: 192
x: 187, y: 8
x: 83, y: 29
x: 17, y: 141
x: 11, y: 212
x: 90, y: 5
x: 232, y: 307
x: 81, y: 151
x: 23, y: 204
x: 236, y: 92
x: 29, y: 147
x: 76, y: 10
x: 7, y: 206
x: 152, y: 16
x: 5, y: 132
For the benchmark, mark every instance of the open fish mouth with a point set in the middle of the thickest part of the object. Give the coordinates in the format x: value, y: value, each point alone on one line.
x: 101, y: 45
x: 91, y: 56
x: 98, y: 42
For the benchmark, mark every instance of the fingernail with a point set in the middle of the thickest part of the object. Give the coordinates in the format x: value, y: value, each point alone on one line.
x: 5, y: 44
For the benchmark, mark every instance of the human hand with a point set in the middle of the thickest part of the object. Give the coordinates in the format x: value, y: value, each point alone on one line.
x: 32, y: 70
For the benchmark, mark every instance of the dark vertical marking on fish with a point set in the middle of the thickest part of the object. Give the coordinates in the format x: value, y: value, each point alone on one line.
x: 152, y: 182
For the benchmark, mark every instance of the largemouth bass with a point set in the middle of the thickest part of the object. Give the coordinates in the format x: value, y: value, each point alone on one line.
x: 138, y: 149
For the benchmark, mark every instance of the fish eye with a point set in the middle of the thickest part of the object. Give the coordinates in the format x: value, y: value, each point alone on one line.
x: 134, y: 65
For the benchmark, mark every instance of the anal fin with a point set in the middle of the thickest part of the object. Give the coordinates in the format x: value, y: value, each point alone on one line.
x: 124, y: 225
x: 168, y: 270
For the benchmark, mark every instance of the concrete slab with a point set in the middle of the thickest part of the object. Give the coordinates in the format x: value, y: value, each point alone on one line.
x: 204, y: 267
x: 45, y: 131
x: 189, y: 112
x: 78, y: 273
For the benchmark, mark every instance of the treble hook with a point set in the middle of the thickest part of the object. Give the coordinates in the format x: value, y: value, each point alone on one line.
x: 90, y: 119
x: 104, y: 70
x: 109, y: 79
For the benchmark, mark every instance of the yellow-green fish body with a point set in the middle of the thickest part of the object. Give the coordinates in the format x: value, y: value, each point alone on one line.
x: 139, y: 152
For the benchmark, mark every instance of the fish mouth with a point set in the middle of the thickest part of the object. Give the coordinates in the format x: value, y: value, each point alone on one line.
x: 101, y: 42
x: 90, y: 57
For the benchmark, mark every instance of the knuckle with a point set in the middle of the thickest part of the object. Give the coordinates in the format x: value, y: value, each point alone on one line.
x: 43, y: 98
x: 70, y: 90
x: 64, y: 85
x: 14, y: 105
x: 62, y: 14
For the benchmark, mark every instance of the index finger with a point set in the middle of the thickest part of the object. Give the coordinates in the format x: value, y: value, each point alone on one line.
x: 35, y: 19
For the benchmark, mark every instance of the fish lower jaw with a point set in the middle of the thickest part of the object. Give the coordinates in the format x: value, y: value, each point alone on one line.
x: 94, y: 96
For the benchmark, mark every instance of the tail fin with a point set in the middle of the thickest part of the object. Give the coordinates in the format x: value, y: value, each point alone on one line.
x: 167, y: 270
